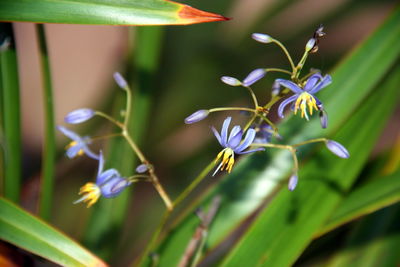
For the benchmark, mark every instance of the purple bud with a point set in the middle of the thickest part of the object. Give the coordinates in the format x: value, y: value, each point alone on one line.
x: 120, y: 80
x: 262, y: 38
x: 254, y: 76
x: 293, y: 182
x: 79, y: 115
x: 230, y: 81
x: 310, y: 44
x: 197, y: 116
x: 337, y: 149
x: 323, y: 116
x: 142, y: 168
x: 276, y: 89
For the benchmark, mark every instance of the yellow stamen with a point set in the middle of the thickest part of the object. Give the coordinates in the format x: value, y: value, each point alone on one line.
x: 227, y: 161
x: 74, y: 143
x: 305, y: 99
x: 91, y: 193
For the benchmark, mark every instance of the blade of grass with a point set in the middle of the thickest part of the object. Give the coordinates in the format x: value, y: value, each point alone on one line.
x: 288, y: 223
x: 109, y: 215
x: 375, y: 195
x: 28, y: 232
x: 49, y: 149
x: 110, y: 12
x: 11, y: 116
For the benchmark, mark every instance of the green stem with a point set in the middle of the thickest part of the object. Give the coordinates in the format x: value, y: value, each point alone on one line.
x: 11, y: 116
x: 232, y: 108
x: 110, y: 119
x: 49, y: 149
x: 317, y: 140
x: 286, y: 53
x: 278, y: 70
x: 253, y: 96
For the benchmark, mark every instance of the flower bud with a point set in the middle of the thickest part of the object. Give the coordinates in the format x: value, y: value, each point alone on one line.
x: 230, y: 81
x: 262, y: 38
x: 276, y: 89
x: 197, y: 116
x: 337, y: 149
x: 323, y: 116
x: 79, y: 115
x: 254, y: 76
x: 293, y: 182
x: 310, y: 44
x: 142, y: 168
x: 120, y: 80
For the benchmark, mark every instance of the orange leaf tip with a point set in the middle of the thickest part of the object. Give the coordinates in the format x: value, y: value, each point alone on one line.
x: 190, y: 15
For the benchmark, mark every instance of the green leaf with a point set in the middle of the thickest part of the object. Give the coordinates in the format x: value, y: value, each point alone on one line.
x: 259, y: 176
x: 374, y: 241
x: 9, y: 85
x: 375, y: 195
x: 110, y: 12
x: 287, y: 225
x: 30, y: 233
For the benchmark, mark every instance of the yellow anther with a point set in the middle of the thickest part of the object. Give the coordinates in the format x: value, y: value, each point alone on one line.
x: 74, y: 143
x: 305, y: 99
x: 91, y: 193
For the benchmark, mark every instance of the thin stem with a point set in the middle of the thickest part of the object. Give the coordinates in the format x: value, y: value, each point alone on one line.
x: 300, y: 65
x: 308, y: 75
x: 195, y: 182
x: 286, y: 53
x: 274, y: 128
x: 49, y: 147
x: 288, y: 147
x: 138, y: 178
x: 317, y: 140
x: 295, y: 160
x: 128, y: 106
x: 253, y: 96
x: 232, y: 108
x: 250, y: 122
x: 111, y: 119
x: 278, y: 70
x: 97, y: 138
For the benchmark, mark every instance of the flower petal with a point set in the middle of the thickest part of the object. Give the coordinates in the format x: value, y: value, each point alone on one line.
x: 224, y: 131
x: 106, y: 176
x: 251, y: 151
x: 284, y: 103
x: 68, y: 133
x: 114, y: 187
x: 323, y: 83
x: 217, y: 135
x: 250, y: 135
x: 89, y: 152
x: 312, y: 81
x: 73, y: 150
x: 291, y: 85
x: 235, y: 137
x: 101, y: 163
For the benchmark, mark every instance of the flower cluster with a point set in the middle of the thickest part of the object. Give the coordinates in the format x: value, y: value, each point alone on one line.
x: 300, y: 93
x: 108, y: 183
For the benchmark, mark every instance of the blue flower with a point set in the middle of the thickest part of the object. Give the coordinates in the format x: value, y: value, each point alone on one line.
x: 108, y: 184
x: 304, y: 97
x: 233, y: 144
x: 78, y: 146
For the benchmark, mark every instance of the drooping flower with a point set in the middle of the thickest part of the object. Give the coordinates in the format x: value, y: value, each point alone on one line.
x: 304, y: 97
x: 79, y: 115
x: 78, y: 146
x: 108, y: 184
x: 233, y: 144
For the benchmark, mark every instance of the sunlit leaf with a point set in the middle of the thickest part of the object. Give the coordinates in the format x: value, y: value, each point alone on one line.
x: 30, y: 233
x: 110, y: 12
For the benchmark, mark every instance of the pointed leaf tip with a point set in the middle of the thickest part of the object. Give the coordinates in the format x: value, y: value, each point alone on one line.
x: 190, y: 15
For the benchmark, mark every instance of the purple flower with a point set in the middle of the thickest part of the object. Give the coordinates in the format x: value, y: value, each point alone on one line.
x: 78, y: 146
x: 108, y: 184
x: 304, y: 97
x: 233, y: 144
x: 197, y: 116
x: 230, y: 81
x: 79, y: 115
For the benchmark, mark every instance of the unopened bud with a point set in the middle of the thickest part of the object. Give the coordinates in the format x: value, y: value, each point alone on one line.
x: 197, y: 116
x: 79, y: 115
x: 293, y: 182
x: 337, y: 149
x: 254, y: 76
x: 230, y: 81
x: 120, y: 80
x: 323, y: 116
x: 310, y: 44
x: 262, y: 38
x: 142, y: 168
